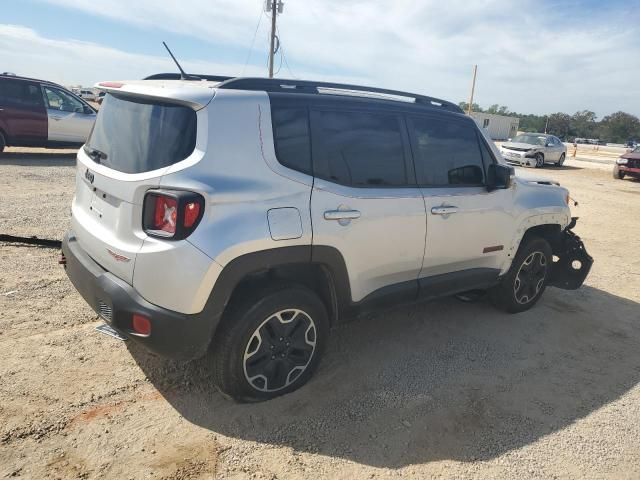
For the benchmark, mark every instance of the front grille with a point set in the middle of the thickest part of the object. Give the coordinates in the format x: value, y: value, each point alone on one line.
x: 105, y: 310
x: 517, y: 149
x: 633, y: 163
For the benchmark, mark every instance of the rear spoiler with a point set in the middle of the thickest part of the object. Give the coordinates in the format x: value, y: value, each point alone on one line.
x: 192, y: 94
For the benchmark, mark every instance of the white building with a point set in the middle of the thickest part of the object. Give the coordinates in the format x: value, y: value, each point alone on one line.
x: 499, y: 127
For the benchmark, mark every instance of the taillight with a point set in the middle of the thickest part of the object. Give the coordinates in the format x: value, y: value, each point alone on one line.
x: 165, y: 214
x: 171, y: 214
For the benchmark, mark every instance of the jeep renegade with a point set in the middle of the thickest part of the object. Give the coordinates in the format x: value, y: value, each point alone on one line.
x: 242, y: 217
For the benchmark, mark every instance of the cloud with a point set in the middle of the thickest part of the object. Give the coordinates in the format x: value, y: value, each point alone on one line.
x: 532, y: 56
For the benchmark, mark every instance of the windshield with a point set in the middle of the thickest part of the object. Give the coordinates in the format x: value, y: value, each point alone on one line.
x: 134, y: 135
x: 531, y: 139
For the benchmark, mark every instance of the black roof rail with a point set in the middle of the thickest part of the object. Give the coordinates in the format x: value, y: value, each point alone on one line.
x: 306, y: 86
x: 194, y: 77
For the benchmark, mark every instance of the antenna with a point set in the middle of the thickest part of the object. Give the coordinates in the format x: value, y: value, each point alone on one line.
x: 183, y: 74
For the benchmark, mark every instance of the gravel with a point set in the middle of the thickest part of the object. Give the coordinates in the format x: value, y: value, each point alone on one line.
x: 442, y: 389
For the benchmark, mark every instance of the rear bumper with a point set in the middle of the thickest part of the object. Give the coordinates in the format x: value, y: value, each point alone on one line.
x: 574, y: 263
x: 173, y: 335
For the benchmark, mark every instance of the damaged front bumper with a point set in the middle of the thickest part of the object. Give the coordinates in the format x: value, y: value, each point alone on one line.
x: 573, y: 264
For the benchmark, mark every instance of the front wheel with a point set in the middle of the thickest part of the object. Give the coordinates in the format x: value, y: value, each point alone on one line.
x: 271, y: 344
x: 539, y: 160
x: 617, y: 173
x: 526, y: 280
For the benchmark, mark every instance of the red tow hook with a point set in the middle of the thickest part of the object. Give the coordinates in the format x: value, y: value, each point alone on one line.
x: 62, y: 260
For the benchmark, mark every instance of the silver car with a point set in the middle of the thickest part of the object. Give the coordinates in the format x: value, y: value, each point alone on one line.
x: 534, y: 150
x: 243, y: 217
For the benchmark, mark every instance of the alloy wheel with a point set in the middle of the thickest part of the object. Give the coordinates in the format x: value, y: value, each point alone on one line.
x: 279, y: 350
x: 530, y: 278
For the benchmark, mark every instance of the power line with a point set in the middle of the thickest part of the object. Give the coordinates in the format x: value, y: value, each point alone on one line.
x: 253, y: 41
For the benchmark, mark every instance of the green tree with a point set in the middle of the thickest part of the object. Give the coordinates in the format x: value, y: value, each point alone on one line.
x: 583, y: 124
x: 559, y: 125
x: 474, y: 108
x: 498, y: 109
x: 620, y: 127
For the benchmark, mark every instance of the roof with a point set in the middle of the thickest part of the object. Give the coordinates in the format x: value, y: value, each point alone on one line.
x: 305, y: 87
x: 28, y: 79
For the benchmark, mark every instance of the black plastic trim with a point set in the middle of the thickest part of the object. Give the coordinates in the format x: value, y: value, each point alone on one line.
x: 173, y: 335
x: 456, y: 282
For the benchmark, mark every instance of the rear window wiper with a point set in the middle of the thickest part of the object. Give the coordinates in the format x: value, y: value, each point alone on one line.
x: 95, y: 154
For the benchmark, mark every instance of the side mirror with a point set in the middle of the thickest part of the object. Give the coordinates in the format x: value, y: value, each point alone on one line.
x: 499, y: 176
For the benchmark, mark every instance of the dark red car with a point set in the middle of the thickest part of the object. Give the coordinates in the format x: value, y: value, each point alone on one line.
x: 628, y: 165
x: 37, y: 113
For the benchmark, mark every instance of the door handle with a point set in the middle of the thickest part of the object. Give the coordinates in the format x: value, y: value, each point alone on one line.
x: 444, y: 210
x: 341, y: 214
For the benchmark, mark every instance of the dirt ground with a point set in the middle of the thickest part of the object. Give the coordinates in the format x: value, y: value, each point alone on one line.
x: 442, y: 389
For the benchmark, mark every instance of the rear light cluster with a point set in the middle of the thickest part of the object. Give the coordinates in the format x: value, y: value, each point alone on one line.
x: 171, y: 214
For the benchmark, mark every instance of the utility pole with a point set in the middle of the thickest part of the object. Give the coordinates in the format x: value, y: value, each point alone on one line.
x: 275, y: 7
x: 546, y: 125
x: 473, y: 87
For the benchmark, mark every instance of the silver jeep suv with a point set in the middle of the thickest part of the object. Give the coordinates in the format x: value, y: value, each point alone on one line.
x: 242, y: 217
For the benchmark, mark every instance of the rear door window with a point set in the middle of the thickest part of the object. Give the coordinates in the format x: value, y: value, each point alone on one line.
x: 19, y: 92
x: 446, y: 152
x: 133, y: 135
x: 359, y: 149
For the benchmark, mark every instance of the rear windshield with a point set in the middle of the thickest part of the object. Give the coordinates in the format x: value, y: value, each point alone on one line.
x: 134, y: 136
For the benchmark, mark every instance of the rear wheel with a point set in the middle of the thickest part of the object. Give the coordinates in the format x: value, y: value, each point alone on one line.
x: 539, y: 160
x: 617, y: 173
x: 271, y: 344
x: 526, y: 280
x: 3, y: 142
x: 560, y: 160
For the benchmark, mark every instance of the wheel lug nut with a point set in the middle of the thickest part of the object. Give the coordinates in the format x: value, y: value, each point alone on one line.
x: 272, y: 347
x: 281, y: 338
x: 288, y: 344
x: 273, y: 357
x: 282, y: 355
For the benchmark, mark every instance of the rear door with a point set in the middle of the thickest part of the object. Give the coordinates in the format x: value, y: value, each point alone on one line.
x: 22, y: 113
x: 468, y: 227
x: 70, y: 120
x: 364, y: 200
x: 133, y: 143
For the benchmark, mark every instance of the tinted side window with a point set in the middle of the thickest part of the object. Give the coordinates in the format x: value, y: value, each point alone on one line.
x: 446, y: 152
x: 21, y: 93
x: 291, y: 136
x: 359, y: 149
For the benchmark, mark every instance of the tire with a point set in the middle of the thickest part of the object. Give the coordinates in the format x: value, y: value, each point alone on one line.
x: 617, y: 174
x: 3, y: 142
x: 270, y: 344
x: 560, y: 161
x: 539, y: 160
x: 526, y: 280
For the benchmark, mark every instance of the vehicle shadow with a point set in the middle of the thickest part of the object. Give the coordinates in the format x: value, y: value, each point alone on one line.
x: 567, y: 167
x: 441, y: 380
x: 46, y: 158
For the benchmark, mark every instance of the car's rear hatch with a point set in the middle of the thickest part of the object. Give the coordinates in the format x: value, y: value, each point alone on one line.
x: 142, y: 129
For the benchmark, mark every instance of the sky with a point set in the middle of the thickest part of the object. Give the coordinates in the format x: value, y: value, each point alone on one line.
x: 537, y: 57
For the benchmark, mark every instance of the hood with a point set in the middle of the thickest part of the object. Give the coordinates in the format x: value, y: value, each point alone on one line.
x: 520, y: 146
x: 529, y: 177
x: 631, y: 155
